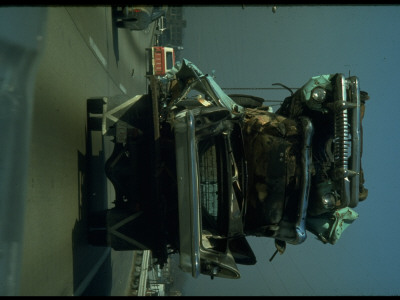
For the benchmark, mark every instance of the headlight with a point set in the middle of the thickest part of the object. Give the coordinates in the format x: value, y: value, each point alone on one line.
x: 328, y: 201
x: 318, y: 94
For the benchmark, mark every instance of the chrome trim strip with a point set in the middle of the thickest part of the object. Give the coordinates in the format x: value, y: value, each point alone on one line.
x: 188, y: 198
x: 342, y: 142
x: 348, y: 144
x: 308, y: 131
x: 355, y: 163
x: 195, y: 208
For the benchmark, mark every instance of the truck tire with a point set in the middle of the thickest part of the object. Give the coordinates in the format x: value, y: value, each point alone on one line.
x: 247, y: 101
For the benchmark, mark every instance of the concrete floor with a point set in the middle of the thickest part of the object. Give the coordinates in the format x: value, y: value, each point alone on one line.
x: 85, y: 56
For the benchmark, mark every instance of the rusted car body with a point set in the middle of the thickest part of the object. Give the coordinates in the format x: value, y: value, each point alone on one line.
x: 211, y: 175
x: 300, y: 165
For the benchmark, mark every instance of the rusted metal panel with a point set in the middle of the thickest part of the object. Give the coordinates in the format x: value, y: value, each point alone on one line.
x: 273, y: 166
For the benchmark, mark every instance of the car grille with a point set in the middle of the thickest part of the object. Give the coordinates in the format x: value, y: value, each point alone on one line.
x: 347, y: 139
x: 209, y: 181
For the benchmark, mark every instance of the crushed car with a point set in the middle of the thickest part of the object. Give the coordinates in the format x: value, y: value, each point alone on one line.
x: 224, y: 167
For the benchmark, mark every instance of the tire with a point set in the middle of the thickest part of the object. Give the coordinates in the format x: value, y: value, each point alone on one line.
x: 247, y: 100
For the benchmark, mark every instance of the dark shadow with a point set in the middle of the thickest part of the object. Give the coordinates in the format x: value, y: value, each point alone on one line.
x: 91, y: 266
x: 101, y: 283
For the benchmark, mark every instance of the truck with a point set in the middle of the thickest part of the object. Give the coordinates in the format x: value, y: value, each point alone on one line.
x: 196, y: 171
x: 160, y: 60
x: 137, y: 17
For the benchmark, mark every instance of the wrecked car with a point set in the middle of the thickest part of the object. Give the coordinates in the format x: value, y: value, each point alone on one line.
x: 215, y: 168
x: 309, y: 175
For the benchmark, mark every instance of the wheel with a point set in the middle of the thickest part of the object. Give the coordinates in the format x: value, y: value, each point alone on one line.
x: 247, y: 100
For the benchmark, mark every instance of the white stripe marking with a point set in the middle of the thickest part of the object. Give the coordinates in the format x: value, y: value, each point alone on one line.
x: 123, y: 89
x: 97, y: 51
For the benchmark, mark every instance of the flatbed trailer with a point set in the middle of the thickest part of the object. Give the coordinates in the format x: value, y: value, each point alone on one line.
x: 137, y: 221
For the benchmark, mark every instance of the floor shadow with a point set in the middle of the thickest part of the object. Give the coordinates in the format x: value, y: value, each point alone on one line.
x: 91, y: 264
x: 100, y: 285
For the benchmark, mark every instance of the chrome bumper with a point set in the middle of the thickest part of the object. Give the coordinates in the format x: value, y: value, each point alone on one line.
x: 347, y: 139
x: 188, y: 197
x: 194, y: 257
